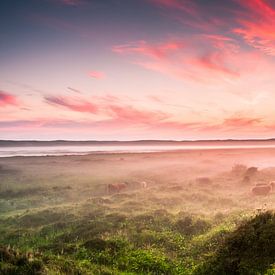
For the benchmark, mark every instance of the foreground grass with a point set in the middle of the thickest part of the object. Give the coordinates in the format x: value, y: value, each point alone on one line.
x: 53, y: 242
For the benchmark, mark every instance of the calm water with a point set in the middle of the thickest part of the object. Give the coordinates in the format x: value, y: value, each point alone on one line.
x: 84, y: 150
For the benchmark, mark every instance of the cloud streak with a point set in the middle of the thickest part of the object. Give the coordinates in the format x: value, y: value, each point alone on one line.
x: 96, y: 74
x: 72, y: 104
x: 257, y: 24
x: 241, y: 122
x: 109, y: 107
x: 185, y: 59
x: 127, y: 122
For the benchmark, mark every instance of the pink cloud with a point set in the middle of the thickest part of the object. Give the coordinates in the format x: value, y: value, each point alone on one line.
x: 130, y: 123
x: 228, y: 125
x: 253, y: 20
x: 7, y: 99
x: 257, y: 24
x: 73, y: 104
x: 201, y: 58
x: 108, y: 106
x: 96, y: 74
x: 214, y: 62
x: 157, y: 51
x: 241, y: 122
x: 119, y: 114
x: 138, y: 116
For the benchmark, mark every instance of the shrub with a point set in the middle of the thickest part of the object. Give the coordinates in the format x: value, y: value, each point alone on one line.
x: 238, y: 169
x: 190, y: 226
x: 98, y: 244
x: 14, y: 262
x: 250, y: 249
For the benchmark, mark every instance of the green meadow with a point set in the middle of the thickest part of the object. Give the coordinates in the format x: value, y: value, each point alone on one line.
x: 196, y: 214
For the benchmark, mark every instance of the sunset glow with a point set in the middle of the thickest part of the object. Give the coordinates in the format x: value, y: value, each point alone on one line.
x: 145, y: 69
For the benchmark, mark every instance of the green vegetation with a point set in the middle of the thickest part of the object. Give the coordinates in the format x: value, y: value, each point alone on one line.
x: 152, y: 243
x: 63, y: 221
x: 250, y: 249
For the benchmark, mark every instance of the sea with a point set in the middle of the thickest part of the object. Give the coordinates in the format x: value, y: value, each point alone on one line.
x: 63, y: 150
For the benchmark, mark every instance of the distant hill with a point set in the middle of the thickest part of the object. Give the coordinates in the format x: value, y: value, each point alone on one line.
x: 20, y: 143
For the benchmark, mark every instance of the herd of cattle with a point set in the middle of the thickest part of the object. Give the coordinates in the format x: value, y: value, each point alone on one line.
x: 259, y: 189
x: 248, y: 177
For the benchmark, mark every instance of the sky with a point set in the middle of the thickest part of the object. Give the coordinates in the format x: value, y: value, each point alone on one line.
x: 137, y: 69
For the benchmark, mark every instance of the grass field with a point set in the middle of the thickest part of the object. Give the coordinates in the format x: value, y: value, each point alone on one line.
x: 197, y: 214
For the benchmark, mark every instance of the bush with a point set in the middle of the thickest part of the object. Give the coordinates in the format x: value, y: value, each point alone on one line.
x: 250, y: 249
x: 14, y: 262
x: 98, y: 244
x: 190, y: 226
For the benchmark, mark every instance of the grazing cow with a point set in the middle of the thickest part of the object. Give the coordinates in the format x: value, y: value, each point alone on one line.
x: 116, y: 187
x: 263, y: 189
